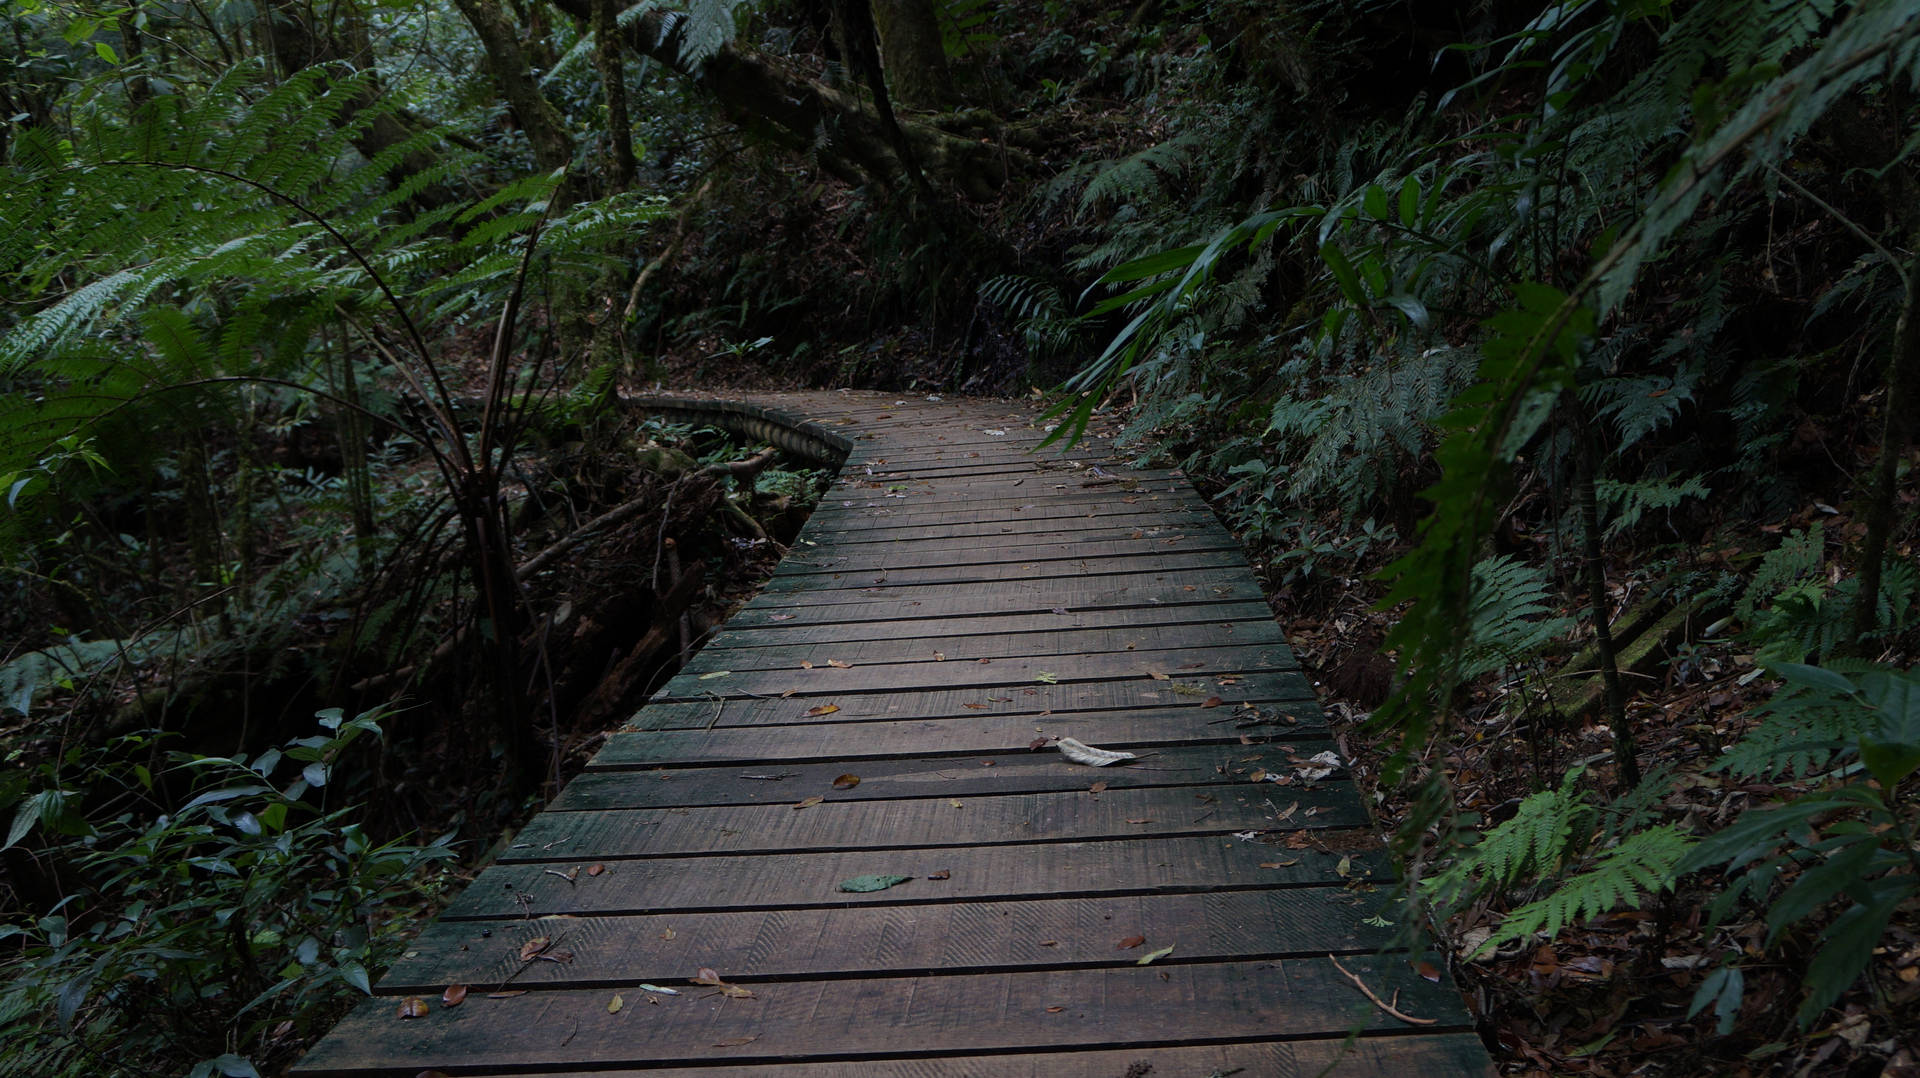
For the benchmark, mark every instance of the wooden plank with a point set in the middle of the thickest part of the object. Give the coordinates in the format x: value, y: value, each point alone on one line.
x: 1070, y: 932
x: 1183, y: 666
x: 1168, y: 1004
x: 932, y: 513
x: 897, y: 556
x: 1165, y: 560
x: 932, y: 823
x: 1012, y: 699
x: 1445, y: 1055
x: 1232, y: 618
x: 1067, y: 528
x: 1131, y: 866
x: 694, y: 742
x: 925, y: 776
x: 1015, y: 596
x: 1179, y: 641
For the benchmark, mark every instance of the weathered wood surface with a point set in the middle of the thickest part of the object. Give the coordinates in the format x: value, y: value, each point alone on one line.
x: 956, y: 605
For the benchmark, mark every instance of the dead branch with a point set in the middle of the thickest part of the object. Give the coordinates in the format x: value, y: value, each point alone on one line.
x: 1377, y: 1001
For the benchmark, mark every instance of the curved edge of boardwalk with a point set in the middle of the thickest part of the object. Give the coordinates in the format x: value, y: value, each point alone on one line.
x: 885, y: 715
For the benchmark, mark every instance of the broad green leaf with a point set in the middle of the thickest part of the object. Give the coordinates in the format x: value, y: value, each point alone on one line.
x: 1375, y: 202
x: 1343, y: 274
x: 1410, y: 201
x: 1722, y: 990
x: 859, y: 884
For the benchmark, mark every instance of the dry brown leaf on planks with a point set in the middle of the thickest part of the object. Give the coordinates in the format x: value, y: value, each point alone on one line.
x: 1130, y: 942
x: 808, y: 803
x: 846, y: 782
x: 534, y: 947
x: 943, y: 874
x: 823, y: 709
x: 596, y: 869
x: 455, y: 995
x: 838, y: 665
x: 1098, y: 787
x: 615, y: 1004
x: 413, y: 1007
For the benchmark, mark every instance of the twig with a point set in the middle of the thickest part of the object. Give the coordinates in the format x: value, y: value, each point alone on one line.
x: 1377, y: 1001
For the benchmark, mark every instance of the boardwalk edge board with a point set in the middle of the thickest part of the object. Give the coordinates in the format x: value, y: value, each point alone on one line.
x: 845, y: 838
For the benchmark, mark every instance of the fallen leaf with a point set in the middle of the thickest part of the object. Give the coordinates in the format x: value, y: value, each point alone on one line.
x: 846, y: 782
x: 455, y: 995
x: 413, y: 1007
x: 1055, y: 1009
x: 708, y: 976
x: 614, y: 1004
x: 806, y: 664
x: 1212, y: 701
x: 956, y: 803
x: 657, y: 988
x: 779, y: 617
x: 823, y: 709
x: 1049, y: 943
x: 875, y: 882
x: 1045, y: 678
x: 1280, y: 864
x: 508, y: 994
x: 984, y: 662
x: 596, y: 869
x: 943, y: 874
x: 1098, y: 787
x: 808, y: 803
x: 1148, y: 959
x: 1037, y: 744
x: 976, y: 707
x: 534, y: 946
x: 1345, y: 866
x: 734, y: 991
x: 1258, y: 774
x: 668, y: 933
x: 1158, y: 676
x: 1143, y: 819
x: 714, y: 674
x: 735, y: 1042
x: 838, y: 665
x: 939, y: 656
x: 1130, y: 943
x: 1428, y: 970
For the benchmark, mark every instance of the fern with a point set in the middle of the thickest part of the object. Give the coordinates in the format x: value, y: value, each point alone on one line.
x: 1533, y: 844
x: 1799, y: 556
x: 1505, y: 624
x: 1627, y: 503
x: 1643, y: 863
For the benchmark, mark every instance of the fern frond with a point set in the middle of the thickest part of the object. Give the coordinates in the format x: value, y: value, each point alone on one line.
x: 1505, y: 624
x: 1621, y: 878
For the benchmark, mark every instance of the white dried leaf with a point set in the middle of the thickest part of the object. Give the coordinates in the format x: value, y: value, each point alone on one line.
x: 1092, y: 757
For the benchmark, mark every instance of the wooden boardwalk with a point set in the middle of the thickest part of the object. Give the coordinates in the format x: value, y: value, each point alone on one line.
x: 955, y: 604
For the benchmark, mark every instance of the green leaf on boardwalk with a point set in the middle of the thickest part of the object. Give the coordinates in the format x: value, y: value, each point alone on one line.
x: 1148, y: 959
x: 872, y: 883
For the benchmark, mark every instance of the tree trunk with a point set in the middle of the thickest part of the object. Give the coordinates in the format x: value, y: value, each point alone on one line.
x: 301, y: 37
x: 792, y: 111
x: 546, y: 131
x: 1903, y: 375
x: 613, y: 83
x: 912, y: 54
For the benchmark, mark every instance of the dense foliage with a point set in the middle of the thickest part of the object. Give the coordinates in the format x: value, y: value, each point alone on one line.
x: 1583, y: 325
